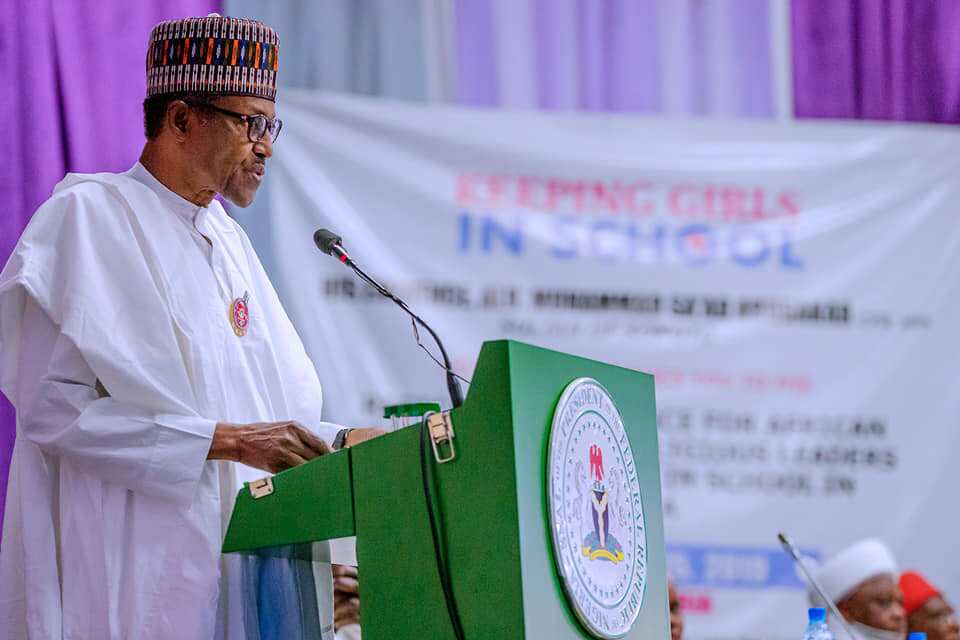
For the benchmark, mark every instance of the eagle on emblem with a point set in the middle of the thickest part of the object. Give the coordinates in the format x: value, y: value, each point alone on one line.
x: 600, y: 543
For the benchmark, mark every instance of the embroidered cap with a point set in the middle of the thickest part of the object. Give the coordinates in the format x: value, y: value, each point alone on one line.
x: 214, y: 55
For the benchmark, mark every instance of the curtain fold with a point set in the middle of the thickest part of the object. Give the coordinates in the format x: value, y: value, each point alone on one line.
x: 881, y: 60
x: 675, y: 57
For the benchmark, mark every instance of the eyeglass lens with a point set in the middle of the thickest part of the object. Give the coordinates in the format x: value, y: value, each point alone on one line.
x: 259, y: 124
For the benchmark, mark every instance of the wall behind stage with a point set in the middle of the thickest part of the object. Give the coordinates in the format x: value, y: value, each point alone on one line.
x: 793, y: 288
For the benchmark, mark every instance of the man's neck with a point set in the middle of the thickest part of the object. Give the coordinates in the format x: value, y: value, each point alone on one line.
x: 168, y: 173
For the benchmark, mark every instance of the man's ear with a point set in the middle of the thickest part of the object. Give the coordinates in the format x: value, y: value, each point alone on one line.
x: 178, y: 117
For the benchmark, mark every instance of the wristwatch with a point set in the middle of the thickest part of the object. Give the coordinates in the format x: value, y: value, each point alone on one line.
x: 341, y: 439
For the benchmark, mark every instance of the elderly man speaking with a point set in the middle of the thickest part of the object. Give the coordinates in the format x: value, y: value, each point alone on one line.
x: 151, y: 365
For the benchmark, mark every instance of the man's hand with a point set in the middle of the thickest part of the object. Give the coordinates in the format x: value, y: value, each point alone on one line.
x: 271, y: 446
x: 346, y: 596
x: 356, y: 436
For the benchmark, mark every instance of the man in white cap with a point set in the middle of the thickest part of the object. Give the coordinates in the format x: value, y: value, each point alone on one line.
x: 862, y: 581
x: 154, y: 371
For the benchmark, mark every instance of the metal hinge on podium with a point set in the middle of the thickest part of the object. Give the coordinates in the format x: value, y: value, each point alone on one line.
x: 440, y: 427
x: 260, y: 488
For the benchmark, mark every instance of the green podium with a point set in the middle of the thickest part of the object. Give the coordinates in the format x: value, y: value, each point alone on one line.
x: 499, y: 520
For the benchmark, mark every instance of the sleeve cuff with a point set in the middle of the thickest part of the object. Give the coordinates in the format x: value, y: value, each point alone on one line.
x: 327, y: 431
x: 179, y: 457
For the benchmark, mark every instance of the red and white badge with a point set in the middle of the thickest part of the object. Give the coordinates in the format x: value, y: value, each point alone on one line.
x: 240, y: 314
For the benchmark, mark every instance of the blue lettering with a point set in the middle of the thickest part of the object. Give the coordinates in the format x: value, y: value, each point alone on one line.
x: 572, y: 238
x: 696, y: 243
x: 464, y: 227
x: 564, y: 239
x: 746, y: 239
x: 605, y: 236
x: 654, y: 252
x: 787, y: 259
x: 493, y: 231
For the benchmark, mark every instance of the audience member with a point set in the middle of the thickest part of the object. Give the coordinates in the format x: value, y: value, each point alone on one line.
x: 926, y: 608
x: 346, y: 602
x: 862, y: 581
x: 676, y: 615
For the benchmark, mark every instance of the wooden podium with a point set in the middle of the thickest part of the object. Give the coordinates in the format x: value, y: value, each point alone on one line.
x: 491, y: 501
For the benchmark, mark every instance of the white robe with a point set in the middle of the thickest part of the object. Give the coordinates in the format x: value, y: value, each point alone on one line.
x: 114, y: 517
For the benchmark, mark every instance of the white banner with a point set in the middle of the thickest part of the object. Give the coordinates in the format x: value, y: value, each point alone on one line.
x: 794, y: 288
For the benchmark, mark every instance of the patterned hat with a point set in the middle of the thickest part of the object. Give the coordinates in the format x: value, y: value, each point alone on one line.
x: 215, y: 55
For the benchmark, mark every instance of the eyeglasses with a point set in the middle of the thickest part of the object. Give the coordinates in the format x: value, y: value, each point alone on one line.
x: 257, y: 124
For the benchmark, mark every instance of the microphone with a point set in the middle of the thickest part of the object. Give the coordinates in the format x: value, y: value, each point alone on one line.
x: 332, y: 245
x: 792, y: 551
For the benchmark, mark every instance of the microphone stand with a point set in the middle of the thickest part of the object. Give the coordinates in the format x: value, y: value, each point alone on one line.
x: 330, y: 244
x: 792, y: 551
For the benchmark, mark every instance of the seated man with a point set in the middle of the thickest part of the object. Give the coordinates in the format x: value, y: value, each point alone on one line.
x: 346, y: 602
x: 862, y: 581
x: 676, y: 615
x: 926, y: 609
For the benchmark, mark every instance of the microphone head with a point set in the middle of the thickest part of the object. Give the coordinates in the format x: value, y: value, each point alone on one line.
x: 326, y: 240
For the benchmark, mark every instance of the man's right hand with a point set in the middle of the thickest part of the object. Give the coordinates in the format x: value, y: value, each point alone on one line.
x: 271, y: 446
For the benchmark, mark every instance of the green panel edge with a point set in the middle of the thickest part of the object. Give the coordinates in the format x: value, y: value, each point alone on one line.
x: 281, y: 519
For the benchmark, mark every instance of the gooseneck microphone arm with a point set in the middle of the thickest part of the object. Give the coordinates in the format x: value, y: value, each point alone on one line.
x: 332, y: 245
x: 794, y: 553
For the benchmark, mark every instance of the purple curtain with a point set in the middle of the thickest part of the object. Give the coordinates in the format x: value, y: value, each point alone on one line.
x: 71, y: 102
x: 877, y: 59
x: 679, y: 57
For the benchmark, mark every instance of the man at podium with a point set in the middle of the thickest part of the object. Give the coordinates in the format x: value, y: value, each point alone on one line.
x: 151, y: 364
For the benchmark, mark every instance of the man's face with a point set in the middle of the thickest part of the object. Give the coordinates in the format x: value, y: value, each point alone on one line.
x: 937, y: 618
x: 676, y: 617
x: 876, y: 603
x: 228, y: 162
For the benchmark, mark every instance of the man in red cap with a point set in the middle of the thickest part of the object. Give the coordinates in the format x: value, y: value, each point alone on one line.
x: 926, y: 608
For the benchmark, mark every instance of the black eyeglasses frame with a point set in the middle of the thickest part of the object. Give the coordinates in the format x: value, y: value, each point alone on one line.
x: 250, y: 119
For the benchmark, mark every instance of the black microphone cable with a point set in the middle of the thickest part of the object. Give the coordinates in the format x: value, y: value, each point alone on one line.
x: 439, y: 549
x: 331, y: 244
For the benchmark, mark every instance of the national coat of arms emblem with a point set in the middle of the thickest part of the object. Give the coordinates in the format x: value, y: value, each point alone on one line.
x: 600, y: 544
x: 596, y: 510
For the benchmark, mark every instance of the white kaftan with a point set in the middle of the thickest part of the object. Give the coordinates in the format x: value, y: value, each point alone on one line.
x: 114, y: 517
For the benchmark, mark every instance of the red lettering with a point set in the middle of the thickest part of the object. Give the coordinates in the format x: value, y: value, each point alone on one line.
x: 732, y: 203
x: 559, y: 190
x: 465, y: 188
x: 788, y: 202
x: 709, y: 202
x: 632, y: 195
x: 706, y: 202
x: 526, y: 192
x: 681, y: 201
x: 757, y: 202
x: 695, y: 603
x: 604, y: 198
x: 496, y: 187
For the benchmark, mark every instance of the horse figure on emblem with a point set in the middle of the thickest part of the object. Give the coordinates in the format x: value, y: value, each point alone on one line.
x: 600, y: 544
